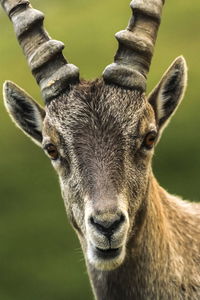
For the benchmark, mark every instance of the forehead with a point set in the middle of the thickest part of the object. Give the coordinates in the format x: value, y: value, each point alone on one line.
x: 97, y: 109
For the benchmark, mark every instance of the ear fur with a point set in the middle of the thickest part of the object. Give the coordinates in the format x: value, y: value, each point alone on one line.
x: 24, y: 111
x: 168, y: 94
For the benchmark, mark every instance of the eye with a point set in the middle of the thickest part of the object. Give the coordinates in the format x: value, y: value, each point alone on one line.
x: 52, y: 151
x: 149, y: 140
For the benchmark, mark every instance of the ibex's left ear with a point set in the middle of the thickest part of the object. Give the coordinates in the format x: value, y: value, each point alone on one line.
x: 24, y: 111
x: 168, y: 94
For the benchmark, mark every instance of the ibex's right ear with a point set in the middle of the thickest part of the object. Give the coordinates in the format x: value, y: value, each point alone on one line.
x: 24, y: 111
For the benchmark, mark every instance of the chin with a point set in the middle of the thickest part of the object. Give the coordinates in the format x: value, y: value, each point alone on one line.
x: 106, y: 259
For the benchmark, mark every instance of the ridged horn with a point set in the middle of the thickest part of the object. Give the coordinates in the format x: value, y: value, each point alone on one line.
x: 136, y: 44
x: 44, y: 55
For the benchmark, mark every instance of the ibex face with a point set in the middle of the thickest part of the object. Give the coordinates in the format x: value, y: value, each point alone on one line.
x: 100, y: 139
x: 100, y: 136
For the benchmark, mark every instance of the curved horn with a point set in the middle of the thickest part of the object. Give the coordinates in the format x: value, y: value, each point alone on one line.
x: 136, y: 44
x: 44, y: 55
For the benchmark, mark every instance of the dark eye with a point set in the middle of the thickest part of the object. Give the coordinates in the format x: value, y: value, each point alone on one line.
x: 52, y: 151
x: 149, y: 140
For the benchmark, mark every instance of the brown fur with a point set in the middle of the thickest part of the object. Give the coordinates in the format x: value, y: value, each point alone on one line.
x: 104, y: 167
x: 139, y: 241
x: 162, y: 258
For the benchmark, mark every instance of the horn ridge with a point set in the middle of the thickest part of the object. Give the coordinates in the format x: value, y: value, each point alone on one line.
x: 44, y: 55
x: 136, y: 45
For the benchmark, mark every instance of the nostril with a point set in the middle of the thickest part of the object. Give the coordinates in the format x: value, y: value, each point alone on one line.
x: 118, y: 222
x: 109, y: 225
x: 97, y: 223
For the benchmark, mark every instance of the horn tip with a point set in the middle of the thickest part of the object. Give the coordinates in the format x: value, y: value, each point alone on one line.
x: 152, y: 8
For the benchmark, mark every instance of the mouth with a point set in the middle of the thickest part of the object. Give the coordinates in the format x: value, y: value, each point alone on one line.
x: 106, y: 259
x: 107, y: 254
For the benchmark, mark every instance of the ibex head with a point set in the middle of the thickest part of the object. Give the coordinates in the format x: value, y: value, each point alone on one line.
x: 99, y: 135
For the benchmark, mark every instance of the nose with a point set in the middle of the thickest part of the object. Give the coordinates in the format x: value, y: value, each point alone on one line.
x: 107, y: 226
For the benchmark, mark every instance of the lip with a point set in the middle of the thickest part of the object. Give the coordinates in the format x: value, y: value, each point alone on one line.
x: 110, y: 253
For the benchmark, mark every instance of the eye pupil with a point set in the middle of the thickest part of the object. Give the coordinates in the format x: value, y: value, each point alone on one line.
x: 149, y: 140
x: 52, y: 151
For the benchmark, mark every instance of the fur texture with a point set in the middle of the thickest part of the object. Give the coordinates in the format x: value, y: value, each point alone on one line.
x: 139, y: 241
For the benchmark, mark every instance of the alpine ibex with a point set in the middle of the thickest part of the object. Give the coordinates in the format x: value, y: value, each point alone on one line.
x: 139, y: 242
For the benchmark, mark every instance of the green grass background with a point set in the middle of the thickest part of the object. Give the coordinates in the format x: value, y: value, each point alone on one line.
x: 40, y: 257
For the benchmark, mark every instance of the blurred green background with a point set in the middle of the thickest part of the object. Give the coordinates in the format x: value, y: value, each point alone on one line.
x: 40, y: 257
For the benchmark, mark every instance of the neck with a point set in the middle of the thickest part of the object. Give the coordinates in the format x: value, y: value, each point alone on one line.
x: 140, y: 275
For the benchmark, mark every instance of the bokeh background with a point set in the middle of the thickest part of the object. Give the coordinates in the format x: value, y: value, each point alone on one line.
x: 40, y: 257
